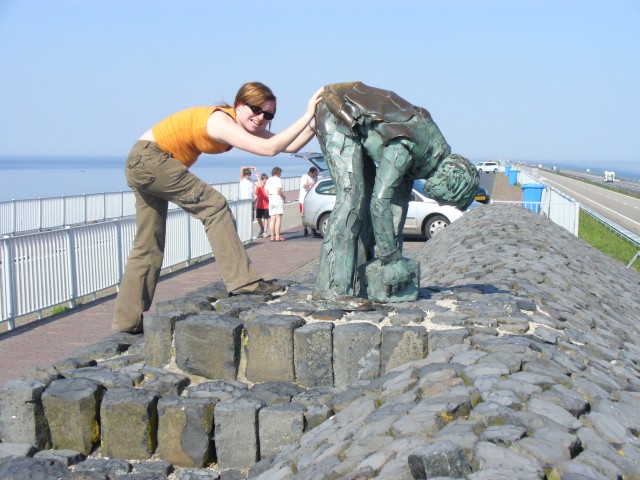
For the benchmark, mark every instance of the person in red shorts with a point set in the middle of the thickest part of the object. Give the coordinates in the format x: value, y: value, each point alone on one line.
x: 262, y: 205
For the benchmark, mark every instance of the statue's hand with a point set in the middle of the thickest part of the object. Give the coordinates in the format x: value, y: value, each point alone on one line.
x: 396, y: 276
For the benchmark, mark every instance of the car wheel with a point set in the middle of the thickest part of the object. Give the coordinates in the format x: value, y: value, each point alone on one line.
x: 495, y: 170
x: 323, y: 224
x: 434, y: 225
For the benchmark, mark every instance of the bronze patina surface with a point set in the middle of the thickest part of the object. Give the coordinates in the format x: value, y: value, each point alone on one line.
x: 376, y: 144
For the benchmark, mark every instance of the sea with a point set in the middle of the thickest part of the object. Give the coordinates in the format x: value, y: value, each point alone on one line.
x: 28, y: 177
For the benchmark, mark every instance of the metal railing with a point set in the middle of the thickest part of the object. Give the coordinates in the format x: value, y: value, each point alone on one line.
x: 555, y: 205
x: 41, y: 270
x: 81, y: 249
x: 39, y: 214
x: 565, y: 211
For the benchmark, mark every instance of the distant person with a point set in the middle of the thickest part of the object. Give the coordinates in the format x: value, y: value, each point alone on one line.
x: 276, y: 203
x: 306, y: 182
x: 157, y: 171
x: 247, y: 186
x: 262, y: 205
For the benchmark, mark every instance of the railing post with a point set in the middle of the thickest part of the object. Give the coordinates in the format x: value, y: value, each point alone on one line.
x: 71, y: 262
x: 576, y: 216
x: 64, y: 211
x: 9, y: 281
x: 14, y: 212
x: 189, y: 236
x: 40, y: 201
x: 119, y: 251
x: 86, y: 208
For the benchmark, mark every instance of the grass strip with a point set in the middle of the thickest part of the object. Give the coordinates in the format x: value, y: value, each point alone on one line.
x: 606, y: 240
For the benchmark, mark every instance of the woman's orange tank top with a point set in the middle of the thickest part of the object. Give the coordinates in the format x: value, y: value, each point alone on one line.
x: 184, y: 134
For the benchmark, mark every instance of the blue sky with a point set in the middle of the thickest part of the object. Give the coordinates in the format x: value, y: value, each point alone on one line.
x: 523, y: 80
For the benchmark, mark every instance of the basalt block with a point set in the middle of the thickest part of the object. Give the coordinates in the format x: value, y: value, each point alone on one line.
x: 236, y: 432
x: 313, y: 354
x: 441, y: 339
x: 443, y: 459
x: 22, y: 418
x: 402, y: 345
x: 209, y: 345
x: 356, y: 353
x: 72, y: 407
x: 269, y: 348
x: 374, y: 289
x: 158, y: 337
x: 185, y: 430
x: 280, y: 426
x: 31, y: 468
x: 129, y: 419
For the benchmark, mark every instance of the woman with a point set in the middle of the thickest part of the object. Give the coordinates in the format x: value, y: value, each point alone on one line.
x: 261, y: 198
x: 276, y: 203
x: 157, y: 171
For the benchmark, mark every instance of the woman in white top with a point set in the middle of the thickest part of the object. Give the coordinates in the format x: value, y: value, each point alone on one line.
x: 276, y: 203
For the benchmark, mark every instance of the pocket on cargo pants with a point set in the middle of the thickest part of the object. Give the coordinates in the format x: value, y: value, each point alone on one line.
x: 137, y: 174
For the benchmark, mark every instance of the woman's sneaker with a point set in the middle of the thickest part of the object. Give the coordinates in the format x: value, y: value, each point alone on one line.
x: 261, y: 287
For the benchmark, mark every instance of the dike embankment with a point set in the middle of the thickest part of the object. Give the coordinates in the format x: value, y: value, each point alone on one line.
x: 519, y: 360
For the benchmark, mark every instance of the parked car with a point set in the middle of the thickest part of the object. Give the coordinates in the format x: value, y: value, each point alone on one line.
x: 482, y: 196
x: 425, y: 216
x: 493, y: 167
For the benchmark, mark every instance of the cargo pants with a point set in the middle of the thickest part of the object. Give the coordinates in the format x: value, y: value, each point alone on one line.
x: 157, y: 178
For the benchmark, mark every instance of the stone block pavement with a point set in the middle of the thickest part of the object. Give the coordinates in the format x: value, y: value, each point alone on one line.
x: 43, y: 343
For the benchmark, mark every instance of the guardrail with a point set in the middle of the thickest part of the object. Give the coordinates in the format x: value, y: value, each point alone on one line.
x: 567, y: 217
x: 555, y: 205
x: 35, y: 215
x: 42, y: 270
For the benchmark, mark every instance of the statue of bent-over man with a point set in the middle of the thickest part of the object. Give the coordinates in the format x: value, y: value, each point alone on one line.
x: 376, y: 144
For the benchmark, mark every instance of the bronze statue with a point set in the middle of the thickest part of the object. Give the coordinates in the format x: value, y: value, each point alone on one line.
x: 376, y: 144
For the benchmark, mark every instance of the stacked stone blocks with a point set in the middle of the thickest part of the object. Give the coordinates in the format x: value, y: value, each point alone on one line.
x: 135, y: 412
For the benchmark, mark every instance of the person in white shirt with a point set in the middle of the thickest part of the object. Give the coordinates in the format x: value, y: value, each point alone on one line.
x: 247, y: 186
x: 276, y: 203
x: 306, y: 182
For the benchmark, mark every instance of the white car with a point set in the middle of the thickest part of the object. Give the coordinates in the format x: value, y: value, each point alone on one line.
x: 425, y: 216
x: 493, y: 167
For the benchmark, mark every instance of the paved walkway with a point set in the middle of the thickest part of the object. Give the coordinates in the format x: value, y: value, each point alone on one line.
x: 48, y: 341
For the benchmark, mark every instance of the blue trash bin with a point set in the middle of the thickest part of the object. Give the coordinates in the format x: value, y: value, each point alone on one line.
x: 507, y: 169
x: 513, y: 177
x: 532, y: 192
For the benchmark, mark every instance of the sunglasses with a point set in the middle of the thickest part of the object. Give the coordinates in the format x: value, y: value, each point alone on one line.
x: 258, y: 111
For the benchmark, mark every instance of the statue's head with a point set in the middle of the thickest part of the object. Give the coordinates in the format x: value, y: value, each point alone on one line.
x: 454, y: 182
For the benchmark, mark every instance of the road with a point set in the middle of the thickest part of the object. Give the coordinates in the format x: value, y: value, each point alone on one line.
x: 619, y: 208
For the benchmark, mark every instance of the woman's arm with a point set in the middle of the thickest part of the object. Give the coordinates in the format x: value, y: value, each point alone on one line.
x: 221, y: 127
x: 301, y: 140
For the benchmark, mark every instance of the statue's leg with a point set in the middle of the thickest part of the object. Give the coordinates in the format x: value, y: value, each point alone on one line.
x: 344, y: 154
x: 391, y: 194
x: 366, y: 245
x: 399, y: 207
